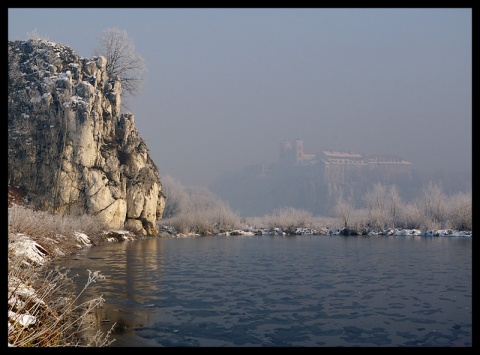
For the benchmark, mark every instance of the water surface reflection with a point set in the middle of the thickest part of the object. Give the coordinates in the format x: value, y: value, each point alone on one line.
x: 285, y: 291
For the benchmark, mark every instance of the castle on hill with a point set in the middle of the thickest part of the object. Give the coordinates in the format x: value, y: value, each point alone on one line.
x: 311, y: 181
x: 343, y: 167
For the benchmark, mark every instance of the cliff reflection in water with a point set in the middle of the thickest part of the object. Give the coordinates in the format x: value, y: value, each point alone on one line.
x: 132, y: 271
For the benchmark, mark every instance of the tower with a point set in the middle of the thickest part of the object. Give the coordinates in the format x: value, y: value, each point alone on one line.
x: 298, y: 150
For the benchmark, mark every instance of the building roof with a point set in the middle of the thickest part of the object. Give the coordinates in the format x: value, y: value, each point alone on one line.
x: 341, y: 157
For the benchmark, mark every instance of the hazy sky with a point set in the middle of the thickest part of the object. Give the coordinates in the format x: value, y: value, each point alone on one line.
x: 225, y: 86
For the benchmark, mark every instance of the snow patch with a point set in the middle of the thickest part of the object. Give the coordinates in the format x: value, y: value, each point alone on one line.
x: 83, y: 238
x: 23, y: 246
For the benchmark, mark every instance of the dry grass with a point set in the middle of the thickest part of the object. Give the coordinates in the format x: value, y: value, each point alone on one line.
x: 55, y: 233
x: 43, y: 309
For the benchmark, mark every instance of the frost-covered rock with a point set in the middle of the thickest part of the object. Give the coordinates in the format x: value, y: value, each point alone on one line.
x: 20, y: 292
x: 83, y: 238
x: 68, y: 142
x: 118, y: 235
x: 408, y: 232
x: 27, y: 249
x: 24, y: 320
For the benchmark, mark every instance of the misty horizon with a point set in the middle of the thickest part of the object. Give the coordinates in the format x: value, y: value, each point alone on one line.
x: 226, y: 86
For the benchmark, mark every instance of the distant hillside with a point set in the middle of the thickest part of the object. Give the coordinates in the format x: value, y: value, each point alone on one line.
x: 316, y: 181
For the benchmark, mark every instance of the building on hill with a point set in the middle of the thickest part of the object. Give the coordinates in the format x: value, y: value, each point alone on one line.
x: 311, y: 181
x: 342, y: 167
x: 292, y: 153
x: 332, y: 174
x: 345, y: 166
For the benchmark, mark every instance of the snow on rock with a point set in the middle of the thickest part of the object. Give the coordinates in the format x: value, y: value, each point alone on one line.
x: 83, y: 238
x: 21, y: 291
x: 408, y: 232
x: 23, y: 246
x: 447, y: 233
x: 23, y: 319
x: 432, y: 233
x: 118, y: 235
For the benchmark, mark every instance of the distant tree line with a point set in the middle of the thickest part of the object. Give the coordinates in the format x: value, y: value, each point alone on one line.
x: 432, y: 209
x: 197, y: 210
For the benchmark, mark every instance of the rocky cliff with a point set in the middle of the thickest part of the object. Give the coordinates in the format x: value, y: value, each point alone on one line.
x: 69, y: 146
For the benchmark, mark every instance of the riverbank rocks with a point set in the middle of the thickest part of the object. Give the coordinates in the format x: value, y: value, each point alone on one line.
x: 70, y: 149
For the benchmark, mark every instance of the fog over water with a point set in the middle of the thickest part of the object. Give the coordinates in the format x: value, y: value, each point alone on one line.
x: 226, y: 86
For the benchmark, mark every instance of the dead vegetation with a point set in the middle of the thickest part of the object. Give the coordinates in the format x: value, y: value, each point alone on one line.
x: 43, y: 308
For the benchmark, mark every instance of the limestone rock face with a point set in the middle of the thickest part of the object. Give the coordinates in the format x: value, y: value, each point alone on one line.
x: 69, y: 145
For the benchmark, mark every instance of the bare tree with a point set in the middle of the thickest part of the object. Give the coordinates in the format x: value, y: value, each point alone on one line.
x: 196, y: 209
x: 394, y: 203
x: 433, y: 202
x: 377, y: 205
x: 289, y: 218
x: 123, y: 61
x: 412, y: 216
x: 343, y: 209
x: 459, y: 211
x: 177, y: 197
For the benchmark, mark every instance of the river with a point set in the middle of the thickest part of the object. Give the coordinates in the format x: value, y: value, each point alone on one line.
x: 283, y: 291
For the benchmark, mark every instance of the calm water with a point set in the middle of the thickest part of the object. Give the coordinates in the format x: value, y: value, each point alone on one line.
x: 284, y: 291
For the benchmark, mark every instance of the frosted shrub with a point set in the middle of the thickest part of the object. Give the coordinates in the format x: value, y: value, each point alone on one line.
x: 358, y: 220
x: 343, y: 210
x: 289, y: 218
x: 410, y: 217
x: 433, y: 205
x: 196, y: 210
x: 323, y: 222
x: 459, y: 212
x: 204, y: 221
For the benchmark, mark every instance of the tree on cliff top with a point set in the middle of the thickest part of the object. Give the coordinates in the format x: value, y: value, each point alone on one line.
x: 122, y: 61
